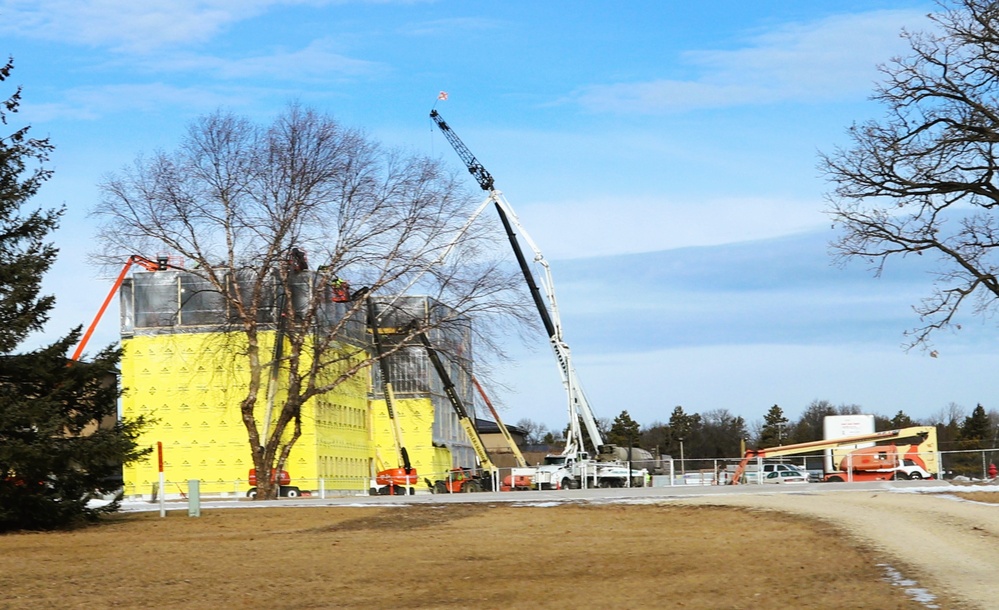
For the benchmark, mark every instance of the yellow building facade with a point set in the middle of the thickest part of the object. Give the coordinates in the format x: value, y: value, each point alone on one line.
x: 189, y: 380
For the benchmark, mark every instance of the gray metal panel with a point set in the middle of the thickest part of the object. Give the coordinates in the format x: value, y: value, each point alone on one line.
x: 201, y: 304
x: 155, y: 298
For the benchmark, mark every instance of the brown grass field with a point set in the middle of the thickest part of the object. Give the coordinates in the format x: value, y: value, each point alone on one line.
x: 488, y: 555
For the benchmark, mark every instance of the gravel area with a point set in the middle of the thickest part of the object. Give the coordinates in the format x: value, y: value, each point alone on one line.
x: 942, y: 541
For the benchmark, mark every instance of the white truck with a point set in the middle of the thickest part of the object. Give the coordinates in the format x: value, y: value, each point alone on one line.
x: 578, y: 470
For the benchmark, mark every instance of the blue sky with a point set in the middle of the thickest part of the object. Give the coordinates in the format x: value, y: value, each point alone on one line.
x: 662, y: 154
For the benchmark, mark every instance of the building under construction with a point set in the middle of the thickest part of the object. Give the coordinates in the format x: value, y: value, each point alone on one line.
x: 184, y: 366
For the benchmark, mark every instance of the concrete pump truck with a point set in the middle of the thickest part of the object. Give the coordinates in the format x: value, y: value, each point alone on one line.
x: 576, y: 466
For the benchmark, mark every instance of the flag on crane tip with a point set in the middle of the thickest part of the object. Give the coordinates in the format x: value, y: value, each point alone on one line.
x: 442, y: 95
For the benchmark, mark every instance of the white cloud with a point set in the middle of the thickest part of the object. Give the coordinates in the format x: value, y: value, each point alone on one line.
x: 599, y: 227
x: 833, y: 58
x: 316, y: 60
x: 95, y: 102
x: 448, y: 27
x: 124, y: 24
x: 746, y: 380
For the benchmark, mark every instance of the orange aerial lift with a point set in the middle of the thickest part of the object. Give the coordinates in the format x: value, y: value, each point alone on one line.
x: 522, y: 477
x: 910, y: 454
x: 162, y: 263
x: 499, y: 423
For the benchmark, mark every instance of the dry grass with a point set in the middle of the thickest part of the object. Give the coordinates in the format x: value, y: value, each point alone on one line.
x: 447, y: 556
x: 988, y: 497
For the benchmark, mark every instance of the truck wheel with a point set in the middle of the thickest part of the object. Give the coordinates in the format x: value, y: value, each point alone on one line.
x: 291, y: 492
x: 567, y: 483
x: 835, y: 479
x: 252, y: 493
x: 440, y: 487
x: 915, y: 476
x: 606, y: 483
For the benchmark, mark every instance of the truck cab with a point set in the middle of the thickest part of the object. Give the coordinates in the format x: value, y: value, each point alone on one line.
x: 557, y: 472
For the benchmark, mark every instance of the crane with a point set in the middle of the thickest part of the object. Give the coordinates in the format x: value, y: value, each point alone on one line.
x: 578, y: 405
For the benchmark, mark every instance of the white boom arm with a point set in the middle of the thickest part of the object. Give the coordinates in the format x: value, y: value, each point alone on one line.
x: 578, y: 404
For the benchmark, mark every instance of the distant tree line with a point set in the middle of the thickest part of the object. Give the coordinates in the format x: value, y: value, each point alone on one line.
x: 720, y: 434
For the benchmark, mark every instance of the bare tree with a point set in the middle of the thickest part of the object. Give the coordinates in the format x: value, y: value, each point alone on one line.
x: 922, y: 179
x: 250, y: 208
x: 534, y: 432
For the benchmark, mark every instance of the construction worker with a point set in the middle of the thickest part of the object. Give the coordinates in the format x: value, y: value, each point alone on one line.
x: 299, y: 260
x: 341, y: 291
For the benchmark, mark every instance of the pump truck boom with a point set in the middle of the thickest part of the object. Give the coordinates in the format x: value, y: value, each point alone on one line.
x: 573, y: 467
x: 917, y: 460
x: 578, y: 405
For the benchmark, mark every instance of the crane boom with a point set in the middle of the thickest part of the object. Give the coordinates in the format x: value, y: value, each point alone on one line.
x: 578, y: 405
x: 482, y: 176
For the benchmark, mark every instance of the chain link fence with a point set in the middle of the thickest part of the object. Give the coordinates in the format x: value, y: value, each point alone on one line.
x: 971, y: 465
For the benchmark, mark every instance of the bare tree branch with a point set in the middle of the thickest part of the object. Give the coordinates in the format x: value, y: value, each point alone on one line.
x: 922, y: 180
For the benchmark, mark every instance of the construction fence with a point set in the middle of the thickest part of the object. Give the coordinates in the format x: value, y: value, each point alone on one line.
x: 958, y: 465
x: 969, y: 464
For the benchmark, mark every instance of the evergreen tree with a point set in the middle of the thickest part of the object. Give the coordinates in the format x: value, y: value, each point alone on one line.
x: 683, y: 428
x: 948, y: 424
x: 775, y: 428
x: 59, y: 440
x: 720, y: 434
x: 625, y: 431
x: 656, y: 437
x: 975, y: 429
x: 901, y: 420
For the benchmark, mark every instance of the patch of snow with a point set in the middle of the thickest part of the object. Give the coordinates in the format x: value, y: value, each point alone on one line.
x: 915, y: 593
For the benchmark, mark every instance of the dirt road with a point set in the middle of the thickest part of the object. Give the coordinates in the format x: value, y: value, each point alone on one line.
x: 948, y: 544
